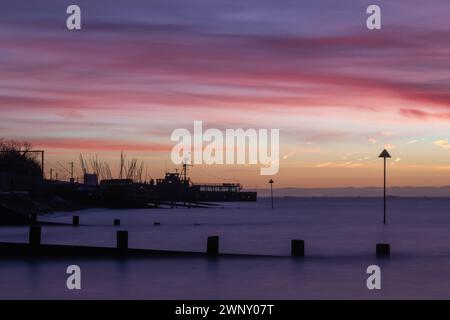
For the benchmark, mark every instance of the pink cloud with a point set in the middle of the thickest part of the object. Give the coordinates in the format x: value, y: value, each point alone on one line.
x: 424, y: 115
x: 98, y: 145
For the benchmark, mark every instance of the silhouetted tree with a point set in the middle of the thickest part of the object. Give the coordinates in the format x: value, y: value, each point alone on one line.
x: 15, y: 157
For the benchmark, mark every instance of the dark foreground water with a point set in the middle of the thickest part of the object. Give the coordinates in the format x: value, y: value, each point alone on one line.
x: 340, y: 236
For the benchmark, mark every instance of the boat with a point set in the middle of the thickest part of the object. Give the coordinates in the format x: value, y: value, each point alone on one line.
x: 177, y: 186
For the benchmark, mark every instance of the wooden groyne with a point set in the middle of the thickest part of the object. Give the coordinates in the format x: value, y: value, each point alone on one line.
x: 35, y: 248
x: 53, y: 250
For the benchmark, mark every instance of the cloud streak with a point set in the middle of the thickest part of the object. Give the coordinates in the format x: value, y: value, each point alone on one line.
x: 444, y: 144
x: 140, y: 69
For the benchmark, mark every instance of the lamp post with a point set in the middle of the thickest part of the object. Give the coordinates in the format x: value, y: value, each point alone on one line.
x: 384, y: 155
x: 271, y: 191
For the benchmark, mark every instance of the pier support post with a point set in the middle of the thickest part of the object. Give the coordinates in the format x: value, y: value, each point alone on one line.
x: 76, y: 220
x: 116, y: 222
x: 212, y: 247
x: 35, y: 236
x: 33, y: 217
x: 122, y: 240
x: 297, y: 248
x: 383, y: 250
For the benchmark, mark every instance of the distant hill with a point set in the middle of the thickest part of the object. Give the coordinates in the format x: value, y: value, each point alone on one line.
x: 443, y: 191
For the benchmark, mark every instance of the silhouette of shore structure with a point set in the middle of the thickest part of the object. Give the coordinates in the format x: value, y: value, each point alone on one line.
x: 130, y: 189
x: 23, y: 195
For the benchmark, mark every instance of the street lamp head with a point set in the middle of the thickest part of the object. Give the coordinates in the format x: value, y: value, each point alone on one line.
x: 271, y: 181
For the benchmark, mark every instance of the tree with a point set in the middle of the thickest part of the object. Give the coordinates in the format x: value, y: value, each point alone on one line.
x: 15, y: 157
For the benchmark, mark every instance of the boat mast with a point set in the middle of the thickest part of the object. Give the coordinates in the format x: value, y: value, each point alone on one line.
x: 185, y: 169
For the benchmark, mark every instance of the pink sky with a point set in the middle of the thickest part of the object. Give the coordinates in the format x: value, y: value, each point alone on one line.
x: 338, y: 92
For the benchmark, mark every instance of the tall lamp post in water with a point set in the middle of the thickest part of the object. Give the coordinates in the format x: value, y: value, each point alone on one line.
x: 271, y: 191
x: 384, y: 155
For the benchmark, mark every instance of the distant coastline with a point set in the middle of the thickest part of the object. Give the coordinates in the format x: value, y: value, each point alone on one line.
x: 353, y: 192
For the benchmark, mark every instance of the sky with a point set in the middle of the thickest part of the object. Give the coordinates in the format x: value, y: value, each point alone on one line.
x: 338, y: 92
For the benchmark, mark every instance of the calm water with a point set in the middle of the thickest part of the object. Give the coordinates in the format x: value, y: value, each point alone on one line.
x: 340, y: 236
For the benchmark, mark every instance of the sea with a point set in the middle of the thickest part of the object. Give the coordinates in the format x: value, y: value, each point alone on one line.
x: 340, y: 237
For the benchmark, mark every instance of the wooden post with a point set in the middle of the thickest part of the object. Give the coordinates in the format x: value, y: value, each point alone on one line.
x: 35, y: 236
x: 33, y: 217
x: 212, y: 247
x: 122, y: 240
x: 383, y: 250
x: 297, y: 248
x: 76, y: 220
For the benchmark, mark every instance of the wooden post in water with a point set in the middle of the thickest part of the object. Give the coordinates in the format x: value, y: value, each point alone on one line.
x: 122, y: 240
x: 212, y: 246
x: 297, y: 248
x: 33, y: 218
x: 35, y: 236
x: 383, y: 250
x: 76, y: 220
